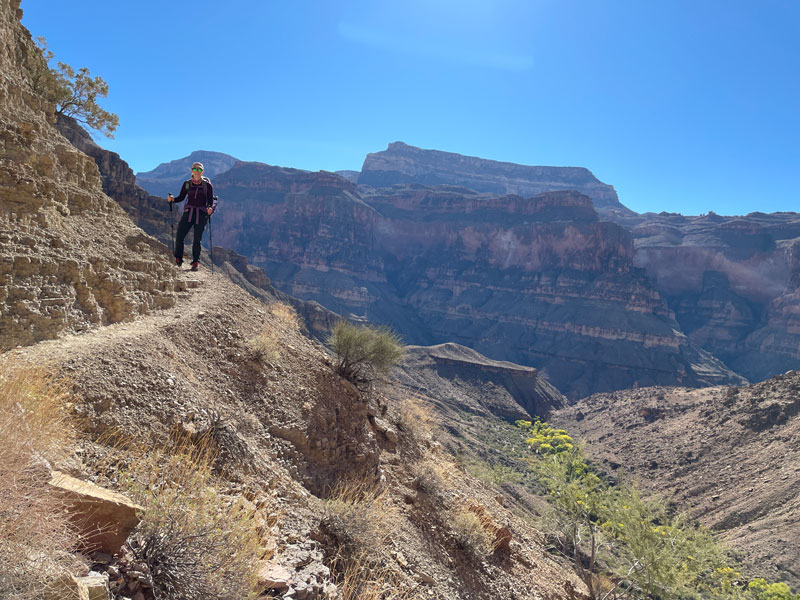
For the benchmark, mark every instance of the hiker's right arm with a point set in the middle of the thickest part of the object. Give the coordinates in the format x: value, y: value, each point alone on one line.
x: 182, y: 195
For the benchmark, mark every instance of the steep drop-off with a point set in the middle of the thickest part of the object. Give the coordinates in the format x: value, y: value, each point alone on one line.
x: 537, y: 281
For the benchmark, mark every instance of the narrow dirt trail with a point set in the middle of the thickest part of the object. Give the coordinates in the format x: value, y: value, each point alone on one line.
x: 202, y: 292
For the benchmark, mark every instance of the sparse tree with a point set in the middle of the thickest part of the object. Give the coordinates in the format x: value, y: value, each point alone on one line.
x: 74, y: 93
x: 364, y: 353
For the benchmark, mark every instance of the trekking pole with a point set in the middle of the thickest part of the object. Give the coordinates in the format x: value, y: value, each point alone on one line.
x: 171, y: 226
x: 211, y: 242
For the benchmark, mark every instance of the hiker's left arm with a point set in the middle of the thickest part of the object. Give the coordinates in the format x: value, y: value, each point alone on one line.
x: 213, y: 203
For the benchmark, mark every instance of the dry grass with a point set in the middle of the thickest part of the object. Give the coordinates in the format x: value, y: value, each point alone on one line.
x: 359, y: 518
x: 432, y: 476
x: 197, y: 542
x: 266, y: 346
x: 286, y: 314
x: 363, y: 579
x: 470, y: 534
x: 36, y: 538
x: 416, y: 418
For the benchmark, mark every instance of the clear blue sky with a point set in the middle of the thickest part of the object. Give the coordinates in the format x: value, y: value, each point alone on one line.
x: 685, y: 106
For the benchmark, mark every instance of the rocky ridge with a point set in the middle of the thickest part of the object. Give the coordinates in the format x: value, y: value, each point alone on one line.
x: 166, y: 178
x: 404, y: 164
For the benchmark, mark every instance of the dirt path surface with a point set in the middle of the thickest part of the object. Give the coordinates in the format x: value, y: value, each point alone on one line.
x: 288, y: 428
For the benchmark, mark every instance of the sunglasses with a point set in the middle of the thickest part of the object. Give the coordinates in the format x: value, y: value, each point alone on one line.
x: 198, y: 170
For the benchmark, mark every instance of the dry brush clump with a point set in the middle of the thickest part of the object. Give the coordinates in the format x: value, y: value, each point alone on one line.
x: 363, y: 579
x: 196, y: 541
x: 416, y: 419
x: 266, y: 346
x: 37, y: 541
x: 359, y: 518
x: 360, y: 521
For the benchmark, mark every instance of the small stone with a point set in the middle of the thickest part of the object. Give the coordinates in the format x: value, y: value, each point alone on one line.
x: 101, y: 558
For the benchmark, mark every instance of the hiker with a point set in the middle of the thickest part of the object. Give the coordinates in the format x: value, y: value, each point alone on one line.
x: 198, y: 209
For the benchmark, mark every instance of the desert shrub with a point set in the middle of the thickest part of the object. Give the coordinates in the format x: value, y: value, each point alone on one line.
x: 469, y: 533
x: 364, y: 353
x: 544, y: 439
x: 760, y: 589
x: 577, y: 498
x: 36, y: 538
x: 285, y: 314
x: 265, y: 346
x: 660, y: 554
x: 430, y: 476
x: 415, y: 418
x: 196, y: 541
x: 365, y: 579
x: 358, y: 518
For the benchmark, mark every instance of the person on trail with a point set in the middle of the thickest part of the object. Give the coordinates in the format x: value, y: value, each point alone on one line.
x: 199, y: 207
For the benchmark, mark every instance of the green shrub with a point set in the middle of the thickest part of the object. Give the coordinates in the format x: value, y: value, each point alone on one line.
x: 646, y: 550
x: 761, y: 590
x: 364, y: 353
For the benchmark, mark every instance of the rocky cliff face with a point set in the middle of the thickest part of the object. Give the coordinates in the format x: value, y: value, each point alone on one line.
x: 401, y: 163
x: 537, y: 281
x: 729, y: 282
x: 69, y: 256
x: 468, y: 381
x: 149, y: 212
x: 166, y: 178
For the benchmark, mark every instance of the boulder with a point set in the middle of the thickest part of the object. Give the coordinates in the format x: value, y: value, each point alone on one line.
x: 104, y: 518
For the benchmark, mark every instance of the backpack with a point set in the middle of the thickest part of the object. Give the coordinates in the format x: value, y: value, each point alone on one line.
x: 187, y: 185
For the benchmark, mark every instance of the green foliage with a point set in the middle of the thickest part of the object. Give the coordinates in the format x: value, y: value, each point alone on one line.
x: 545, y: 439
x: 74, y: 93
x: 645, y: 550
x: 577, y: 497
x: 660, y: 554
x: 761, y: 590
x: 364, y: 353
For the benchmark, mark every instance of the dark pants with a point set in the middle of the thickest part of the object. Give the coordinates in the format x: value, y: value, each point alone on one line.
x: 183, y: 228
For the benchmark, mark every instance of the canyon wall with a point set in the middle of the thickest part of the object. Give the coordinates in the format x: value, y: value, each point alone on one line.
x: 538, y: 281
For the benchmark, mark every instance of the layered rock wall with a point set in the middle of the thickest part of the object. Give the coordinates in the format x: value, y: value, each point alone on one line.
x: 538, y: 281
x: 729, y: 282
x: 404, y: 164
x: 69, y: 256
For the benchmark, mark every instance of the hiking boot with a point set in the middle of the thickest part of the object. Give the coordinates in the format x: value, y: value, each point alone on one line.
x: 178, y: 261
x: 195, y: 264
